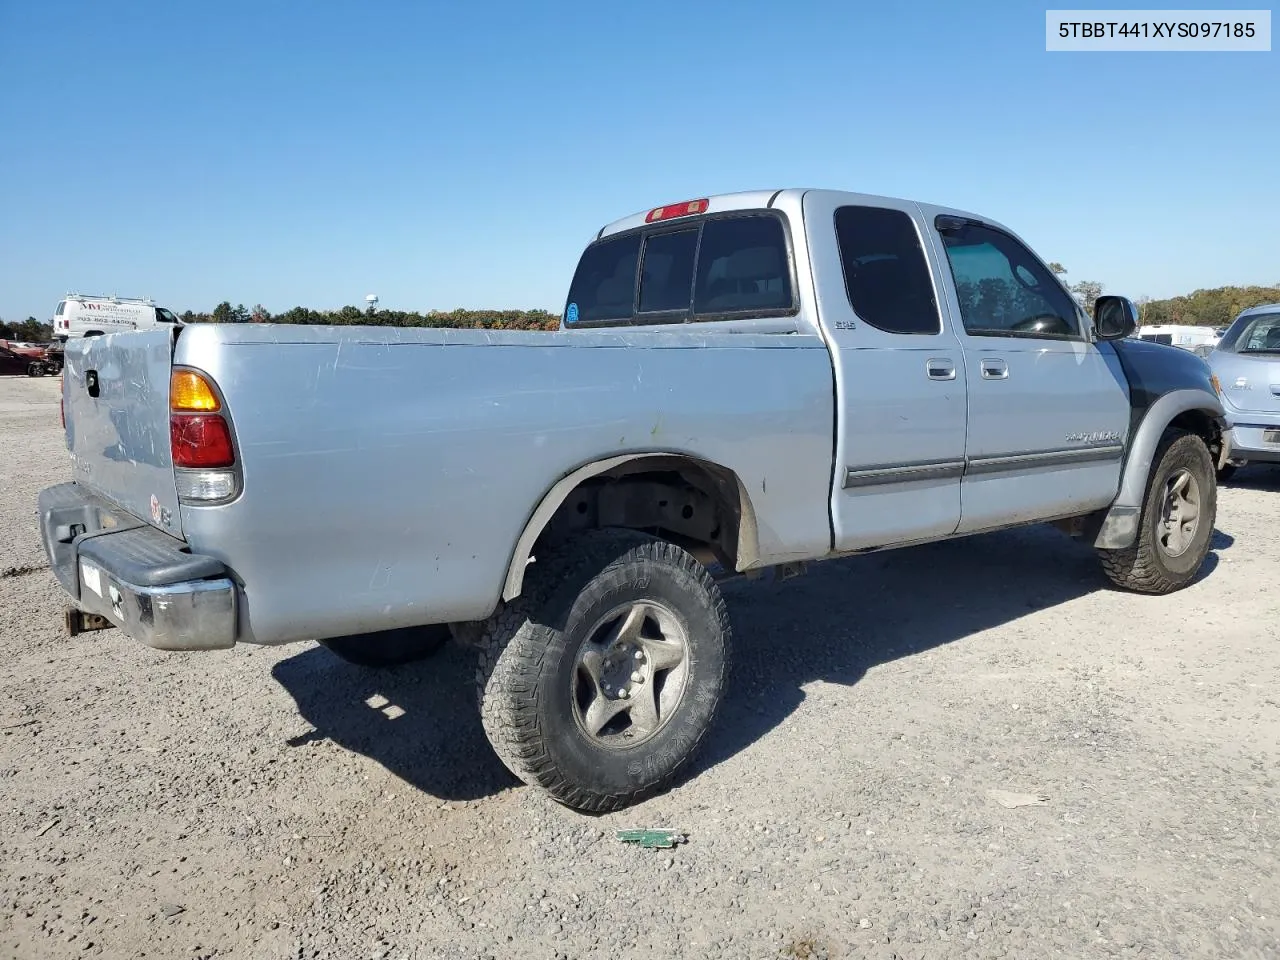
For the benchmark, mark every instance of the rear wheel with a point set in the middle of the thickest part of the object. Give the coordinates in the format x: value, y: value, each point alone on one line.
x: 35, y: 370
x: 389, y: 648
x: 1178, y: 515
x: 599, y: 682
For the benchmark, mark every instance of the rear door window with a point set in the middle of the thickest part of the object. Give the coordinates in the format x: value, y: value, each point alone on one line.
x: 886, y: 275
x: 743, y: 267
x: 604, y: 284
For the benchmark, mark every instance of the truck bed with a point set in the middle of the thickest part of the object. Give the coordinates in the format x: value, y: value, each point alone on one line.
x: 388, y: 473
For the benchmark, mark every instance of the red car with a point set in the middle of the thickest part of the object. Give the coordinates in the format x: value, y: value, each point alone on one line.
x: 32, y: 360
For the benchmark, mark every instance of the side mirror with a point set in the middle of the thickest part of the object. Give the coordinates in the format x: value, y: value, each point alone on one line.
x: 1114, y: 318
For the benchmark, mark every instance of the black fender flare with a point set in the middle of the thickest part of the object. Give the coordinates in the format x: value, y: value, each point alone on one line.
x: 1119, y: 523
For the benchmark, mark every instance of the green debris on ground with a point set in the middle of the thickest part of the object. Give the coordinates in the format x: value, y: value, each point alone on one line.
x: 653, y: 839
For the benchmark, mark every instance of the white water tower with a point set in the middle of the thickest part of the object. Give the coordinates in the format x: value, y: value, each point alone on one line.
x: 371, y: 301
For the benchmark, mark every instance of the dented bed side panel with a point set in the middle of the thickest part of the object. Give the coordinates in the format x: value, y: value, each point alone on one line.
x: 388, y: 473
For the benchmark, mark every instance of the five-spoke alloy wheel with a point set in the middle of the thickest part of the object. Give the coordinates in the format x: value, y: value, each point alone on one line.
x: 1179, y: 513
x: 631, y: 674
x: 599, y: 682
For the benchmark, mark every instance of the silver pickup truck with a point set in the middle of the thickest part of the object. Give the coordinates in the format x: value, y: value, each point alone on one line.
x: 742, y: 383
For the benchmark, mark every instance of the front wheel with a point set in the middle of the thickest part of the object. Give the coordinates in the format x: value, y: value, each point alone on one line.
x: 1178, y: 516
x: 599, y: 682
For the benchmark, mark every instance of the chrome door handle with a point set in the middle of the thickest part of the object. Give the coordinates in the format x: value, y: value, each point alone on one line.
x: 994, y: 370
x: 941, y: 369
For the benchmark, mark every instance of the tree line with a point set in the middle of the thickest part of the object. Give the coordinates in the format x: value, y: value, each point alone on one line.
x: 34, y: 331
x: 1206, y: 308
x: 1215, y: 307
x: 29, y: 330
x: 351, y: 316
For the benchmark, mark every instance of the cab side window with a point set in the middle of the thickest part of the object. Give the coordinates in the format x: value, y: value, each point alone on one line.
x: 1003, y: 288
x: 885, y: 272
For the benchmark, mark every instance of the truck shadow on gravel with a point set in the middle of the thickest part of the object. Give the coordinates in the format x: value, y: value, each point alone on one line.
x: 846, y: 617
x: 843, y: 618
x: 420, y: 721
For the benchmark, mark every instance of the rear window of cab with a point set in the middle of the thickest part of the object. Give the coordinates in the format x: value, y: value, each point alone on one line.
x: 719, y: 267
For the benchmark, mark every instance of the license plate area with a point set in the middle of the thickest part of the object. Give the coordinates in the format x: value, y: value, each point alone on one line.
x: 1271, y: 435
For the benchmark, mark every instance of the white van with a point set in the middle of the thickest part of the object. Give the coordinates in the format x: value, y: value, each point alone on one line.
x: 1186, y: 336
x: 86, y: 316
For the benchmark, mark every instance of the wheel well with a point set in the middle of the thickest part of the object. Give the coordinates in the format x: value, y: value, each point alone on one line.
x: 697, y: 505
x: 1202, y: 424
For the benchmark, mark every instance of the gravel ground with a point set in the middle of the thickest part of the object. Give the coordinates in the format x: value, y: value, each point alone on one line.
x: 273, y: 803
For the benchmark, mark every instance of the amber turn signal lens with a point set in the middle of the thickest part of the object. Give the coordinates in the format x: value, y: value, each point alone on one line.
x: 190, y: 392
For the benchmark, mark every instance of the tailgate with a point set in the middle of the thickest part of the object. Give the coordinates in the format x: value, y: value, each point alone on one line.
x: 116, y: 394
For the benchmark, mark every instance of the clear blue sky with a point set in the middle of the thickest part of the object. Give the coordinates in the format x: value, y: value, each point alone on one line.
x: 461, y: 154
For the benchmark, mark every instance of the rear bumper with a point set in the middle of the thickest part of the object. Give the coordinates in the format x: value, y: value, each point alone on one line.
x: 144, y: 581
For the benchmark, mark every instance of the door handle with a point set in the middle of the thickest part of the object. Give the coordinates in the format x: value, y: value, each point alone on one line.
x: 994, y: 370
x: 941, y: 369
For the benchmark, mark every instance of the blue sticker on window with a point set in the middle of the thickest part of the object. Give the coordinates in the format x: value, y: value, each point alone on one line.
x: 571, y: 315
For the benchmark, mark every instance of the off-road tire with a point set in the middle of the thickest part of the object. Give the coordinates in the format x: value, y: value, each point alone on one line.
x: 1145, y: 566
x: 528, y: 649
x: 389, y: 648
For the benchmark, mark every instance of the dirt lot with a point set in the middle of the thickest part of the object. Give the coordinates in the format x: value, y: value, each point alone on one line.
x: 271, y: 803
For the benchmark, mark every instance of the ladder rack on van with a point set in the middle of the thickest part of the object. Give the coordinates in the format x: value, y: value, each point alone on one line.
x: 113, y: 299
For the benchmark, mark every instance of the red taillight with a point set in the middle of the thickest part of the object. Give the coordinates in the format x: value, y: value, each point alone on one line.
x: 200, y: 440
x: 689, y: 208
